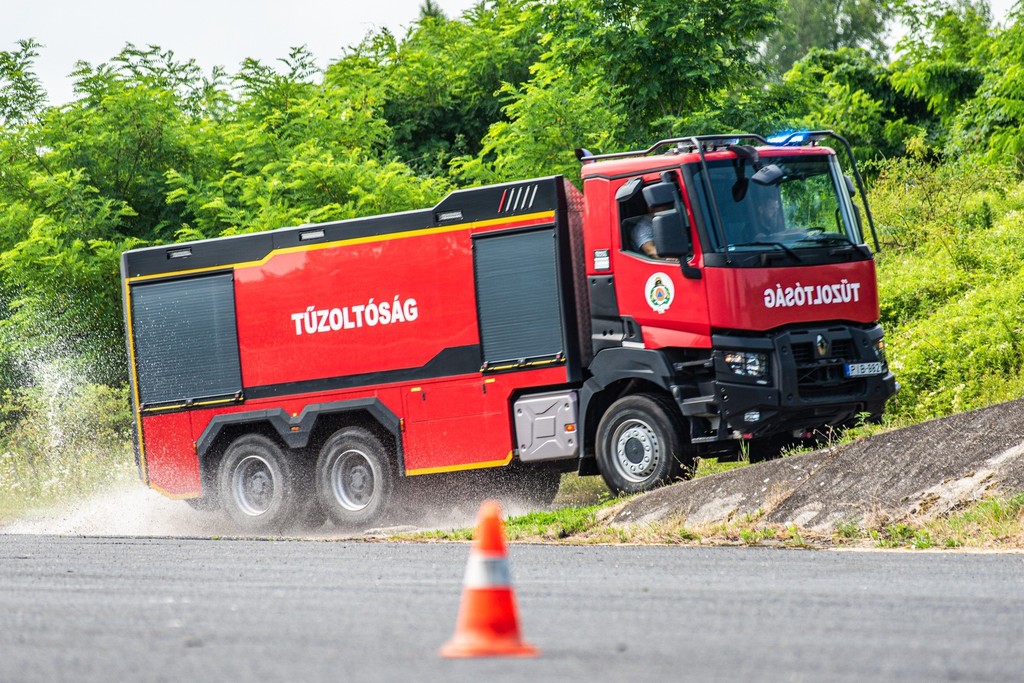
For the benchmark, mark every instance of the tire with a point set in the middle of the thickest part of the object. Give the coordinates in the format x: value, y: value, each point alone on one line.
x: 255, y: 482
x: 355, y: 478
x: 641, y: 444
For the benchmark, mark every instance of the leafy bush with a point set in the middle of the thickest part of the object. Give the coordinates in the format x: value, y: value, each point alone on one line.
x: 62, y: 440
x: 951, y: 285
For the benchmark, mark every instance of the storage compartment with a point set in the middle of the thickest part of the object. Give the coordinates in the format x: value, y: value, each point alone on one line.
x: 546, y: 426
x: 185, y: 340
x: 518, y: 298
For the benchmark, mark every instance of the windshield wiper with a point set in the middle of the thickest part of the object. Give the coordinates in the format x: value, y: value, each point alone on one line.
x: 761, y: 243
x: 847, y: 245
x: 828, y: 237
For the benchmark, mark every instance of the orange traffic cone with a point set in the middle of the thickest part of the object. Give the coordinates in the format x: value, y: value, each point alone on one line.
x: 488, y: 624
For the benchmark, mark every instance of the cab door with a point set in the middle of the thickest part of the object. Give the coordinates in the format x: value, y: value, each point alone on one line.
x: 662, y: 301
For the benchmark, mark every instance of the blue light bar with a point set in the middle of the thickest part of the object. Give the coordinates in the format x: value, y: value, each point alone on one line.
x: 789, y: 138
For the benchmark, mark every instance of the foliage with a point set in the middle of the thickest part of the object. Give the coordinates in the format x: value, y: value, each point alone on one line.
x: 936, y: 57
x: 661, y: 59
x: 951, y: 285
x: 21, y: 94
x: 809, y: 24
x: 994, y: 117
x: 940, y: 58
x: 549, y: 116
x: 848, y: 91
x: 62, y: 439
x: 437, y: 87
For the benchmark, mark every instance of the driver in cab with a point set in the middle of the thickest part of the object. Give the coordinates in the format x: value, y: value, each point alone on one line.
x: 642, y: 233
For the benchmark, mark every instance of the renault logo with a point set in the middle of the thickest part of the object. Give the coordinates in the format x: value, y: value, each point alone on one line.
x: 821, y: 345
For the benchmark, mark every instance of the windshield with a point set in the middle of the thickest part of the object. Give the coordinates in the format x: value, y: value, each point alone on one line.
x: 792, y: 203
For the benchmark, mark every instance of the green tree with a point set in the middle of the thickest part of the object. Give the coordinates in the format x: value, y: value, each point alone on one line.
x: 849, y: 91
x: 664, y: 59
x: 21, y: 94
x: 829, y: 25
x: 294, y: 151
x: 548, y: 118
x: 993, y: 118
x: 940, y: 59
x: 438, y: 85
x: 431, y: 9
x: 617, y: 74
x: 151, y: 151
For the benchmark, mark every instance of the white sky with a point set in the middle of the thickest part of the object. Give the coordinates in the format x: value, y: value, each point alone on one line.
x: 213, y: 32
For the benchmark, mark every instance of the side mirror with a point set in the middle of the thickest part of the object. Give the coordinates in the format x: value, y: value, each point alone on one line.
x: 671, y: 235
x: 850, y: 187
x: 768, y: 175
x: 660, y: 193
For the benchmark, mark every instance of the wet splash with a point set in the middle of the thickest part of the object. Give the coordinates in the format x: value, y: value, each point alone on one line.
x: 132, y: 510
x: 125, y: 510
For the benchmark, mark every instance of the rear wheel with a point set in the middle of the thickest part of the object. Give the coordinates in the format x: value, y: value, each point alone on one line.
x: 355, y: 479
x: 640, y: 444
x: 255, y: 479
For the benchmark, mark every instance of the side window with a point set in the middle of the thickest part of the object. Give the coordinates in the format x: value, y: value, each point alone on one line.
x: 633, y: 216
x: 642, y: 204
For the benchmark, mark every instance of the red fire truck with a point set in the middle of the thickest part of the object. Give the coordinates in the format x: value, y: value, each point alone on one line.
x: 525, y: 327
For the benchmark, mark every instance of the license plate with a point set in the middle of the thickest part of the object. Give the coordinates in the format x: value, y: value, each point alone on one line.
x: 863, y: 369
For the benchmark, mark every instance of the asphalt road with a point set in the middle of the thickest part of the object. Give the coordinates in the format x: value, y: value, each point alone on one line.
x: 175, y: 609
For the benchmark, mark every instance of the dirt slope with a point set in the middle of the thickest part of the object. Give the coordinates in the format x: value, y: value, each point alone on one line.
x: 924, y: 470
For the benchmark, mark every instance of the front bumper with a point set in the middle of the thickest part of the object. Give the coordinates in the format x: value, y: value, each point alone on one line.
x: 805, y: 390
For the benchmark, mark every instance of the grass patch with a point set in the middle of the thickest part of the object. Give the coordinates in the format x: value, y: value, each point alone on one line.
x: 902, y: 535
x: 580, y: 491
x: 991, y: 523
x: 995, y: 522
x: 554, y: 524
x: 591, y: 490
x: 708, y: 466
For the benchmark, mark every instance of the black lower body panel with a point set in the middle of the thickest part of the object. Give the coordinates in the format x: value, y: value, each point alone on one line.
x: 806, y: 385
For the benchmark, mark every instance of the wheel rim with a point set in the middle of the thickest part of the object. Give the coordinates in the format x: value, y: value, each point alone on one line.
x: 352, y: 480
x: 253, y: 485
x: 637, y: 450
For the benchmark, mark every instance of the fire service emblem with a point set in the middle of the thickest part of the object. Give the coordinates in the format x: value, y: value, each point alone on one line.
x: 660, y: 292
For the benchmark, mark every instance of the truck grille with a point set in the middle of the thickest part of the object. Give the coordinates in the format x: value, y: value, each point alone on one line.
x: 846, y: 388
x: 823, y: 378
x: 839, y: 348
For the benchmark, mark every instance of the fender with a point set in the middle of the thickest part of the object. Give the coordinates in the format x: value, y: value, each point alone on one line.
x: 612, y: 365
x: 285, y: 425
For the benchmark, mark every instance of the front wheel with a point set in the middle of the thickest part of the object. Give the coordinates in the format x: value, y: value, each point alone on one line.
x: 355, y: 479
x: 640, y: 444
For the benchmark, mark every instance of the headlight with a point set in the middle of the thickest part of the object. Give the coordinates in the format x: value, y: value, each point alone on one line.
x: 880, y: 350
x: 746, y: 363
